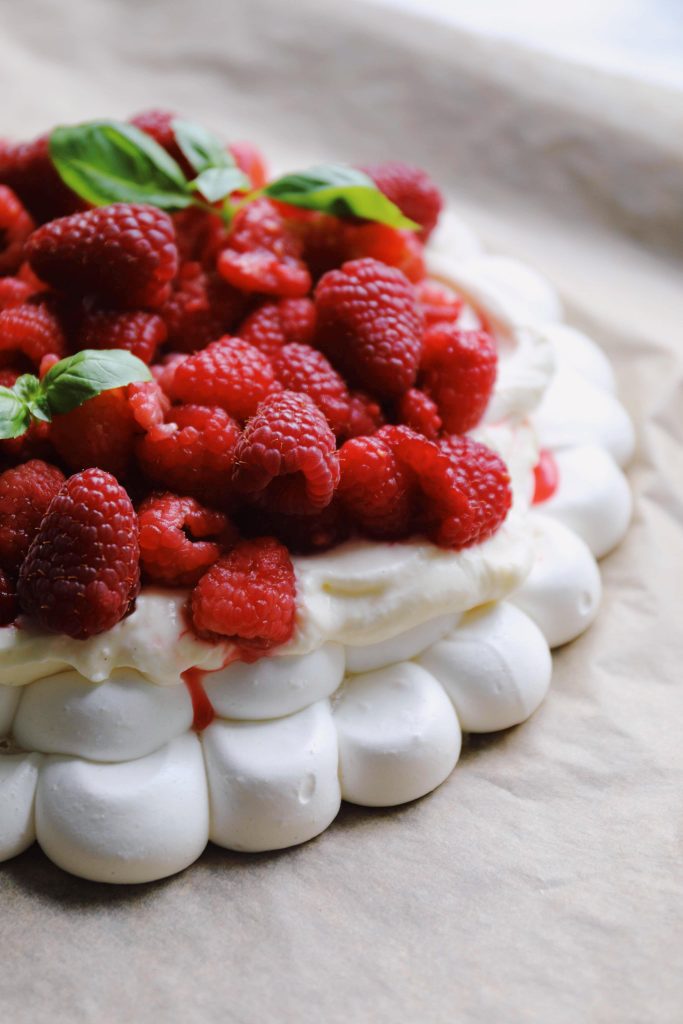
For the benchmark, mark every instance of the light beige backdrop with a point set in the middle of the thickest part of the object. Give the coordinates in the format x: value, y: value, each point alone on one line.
x: 542, y: 882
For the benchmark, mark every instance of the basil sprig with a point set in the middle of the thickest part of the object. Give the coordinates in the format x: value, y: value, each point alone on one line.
x: 68, y: 384
x: 341, y: 191
x: 114, y: 162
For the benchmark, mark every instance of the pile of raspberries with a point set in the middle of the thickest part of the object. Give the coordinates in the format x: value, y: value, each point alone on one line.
x: 310, y: 384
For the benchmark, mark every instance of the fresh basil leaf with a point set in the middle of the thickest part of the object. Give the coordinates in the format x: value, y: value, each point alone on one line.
x: 202, y: 149
x: 218, y: 182
x: 72, y: 381
x: 15, y: 417
x: 112, y: 162
x: 30, y: 391
x: 341, y: 191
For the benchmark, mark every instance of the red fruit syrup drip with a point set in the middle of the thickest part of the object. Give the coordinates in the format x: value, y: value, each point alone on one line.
x: 204, y: 713
x: 546, y: 477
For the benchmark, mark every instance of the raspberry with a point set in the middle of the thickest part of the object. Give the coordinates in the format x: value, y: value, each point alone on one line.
x: 193, y: 454
x: 438, y: 303
x: 138, y: 332
x: 458, y: 371
x: 412, y: 190
x: 419, y: 412
x: 100, y: 433
x: 33, y: 330
x: 34, y: 444
x: 25, y: 494
x: 274, y: 324
x: 13, y: 292
x: 249, y: 159
x: 375, y: 488
x: 28, y: 170
x: 369, y: 326
x: 365, y: 415
x: 82, y: 572
x: 164, y: 372
x: 159, y: 125
x: 263, y: 255
x: 305, y: 370
x: 287, y: 456
x: 250, y: 595
x: 229, y: 373
x: 397, y: 248
x: 546, y: 476
x: 124, y: 253
x: 201, y: 308
x: 302, y: 535
x: 483, y: 477
x: 148, y: 404
x: 180, y: 539
x: 15, y: 227
x: 200, y: 236
x: 8, y: 600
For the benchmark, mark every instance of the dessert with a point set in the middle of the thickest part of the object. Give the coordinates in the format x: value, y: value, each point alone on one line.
x: 298, y: 485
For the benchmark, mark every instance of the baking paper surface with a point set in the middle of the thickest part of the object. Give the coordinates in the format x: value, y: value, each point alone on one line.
x: 542, y: 881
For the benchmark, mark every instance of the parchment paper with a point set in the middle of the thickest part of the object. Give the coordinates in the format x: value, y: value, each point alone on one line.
x: 542, y: 882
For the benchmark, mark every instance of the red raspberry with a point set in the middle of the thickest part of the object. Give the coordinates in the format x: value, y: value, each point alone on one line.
x: 158, y: 125
x: 263, y: 254
x: 249, y: 159
x: 180, y: 539
x: 15, y: 227
x: 412, y: 190
x: 201, y: 308
x: 305, y: 370
x: 250, y: 595
x: 287, y: 456
x: 34, y: 444
x: 274, y: 324
x: 302, y: 535
x: 100, y: 432
x: 25, y: 494
x: 28, y: 170
x: 13, y: 292
x: 376, y: 489
x: 164, y: 372
x: 546, y: 476
x: 419, y: 412
x: 365, y: 415
x: 82, y: 574
x: 458, y: 371
x: 124, y: 253
x: 33, y: 330
x: 438, y: 303
x: 200, y: 236
x: 148, y: 404
x: 136, y: 331
x: 395, y: 247
x: 8, y: 600
x: 482, y: 476
x: 229, y: 373
x: 193, y: 454
x: 369, y: 326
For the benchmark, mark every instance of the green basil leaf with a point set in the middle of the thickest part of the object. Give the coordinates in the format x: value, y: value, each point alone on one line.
x: 112, y: 162
x: 218, y: 182
x: 30, y: 391
x: 15, y: 417
x: 202, y: 149
x: 341, y: 191
x: 72, y: 381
